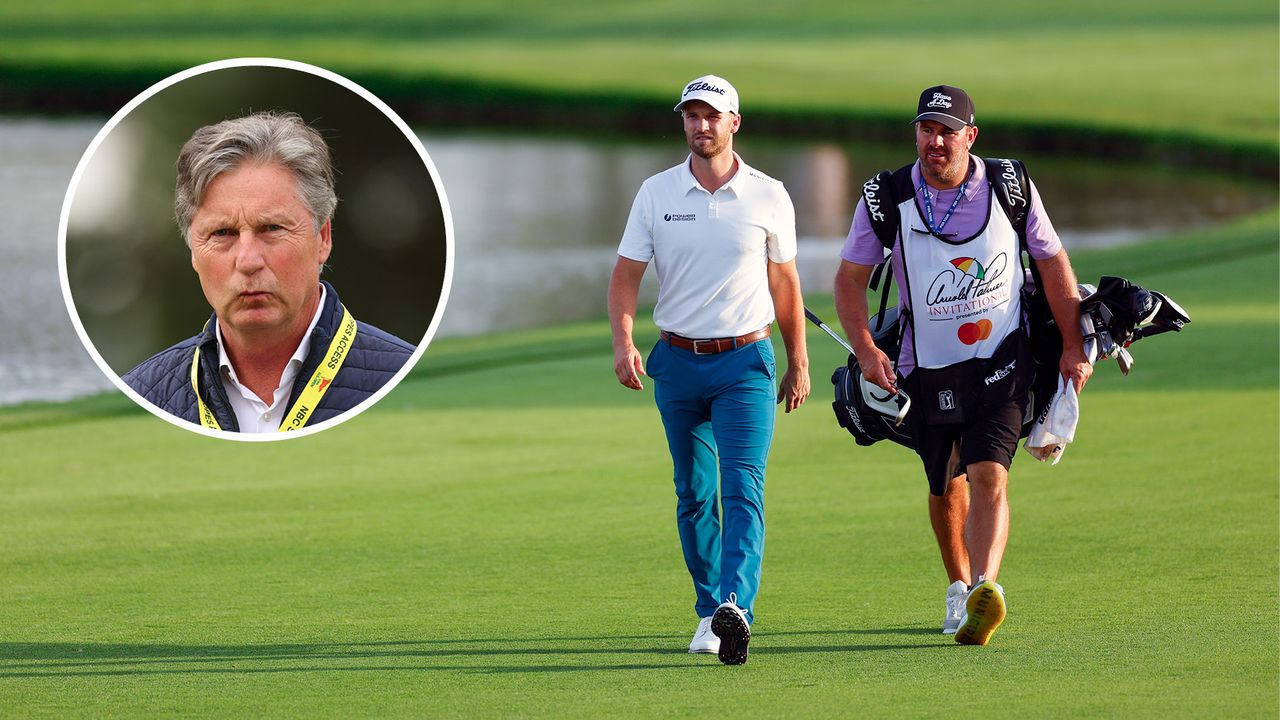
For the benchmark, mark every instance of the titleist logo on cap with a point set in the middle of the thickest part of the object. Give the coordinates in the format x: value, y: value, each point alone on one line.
x: 712, y: 90
x: 699, y: 85
x: 940, y: 100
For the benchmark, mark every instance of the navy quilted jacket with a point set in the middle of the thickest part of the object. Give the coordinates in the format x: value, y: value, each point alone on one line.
x: 165, y: 378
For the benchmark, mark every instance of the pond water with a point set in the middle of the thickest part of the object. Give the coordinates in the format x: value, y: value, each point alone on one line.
x: 537, y: 220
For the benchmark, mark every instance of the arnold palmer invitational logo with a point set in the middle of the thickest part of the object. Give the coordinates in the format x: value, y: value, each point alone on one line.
x: 967, y: 289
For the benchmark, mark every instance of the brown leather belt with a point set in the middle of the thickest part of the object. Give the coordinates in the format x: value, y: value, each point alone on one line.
x: 711, y: 346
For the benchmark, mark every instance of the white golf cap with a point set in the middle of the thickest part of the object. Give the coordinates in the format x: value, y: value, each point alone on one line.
x: 712, y: 90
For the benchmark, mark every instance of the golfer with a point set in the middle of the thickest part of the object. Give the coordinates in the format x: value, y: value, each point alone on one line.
x: 254, y: 200
x: 964, y: 359
x: 722, y: 236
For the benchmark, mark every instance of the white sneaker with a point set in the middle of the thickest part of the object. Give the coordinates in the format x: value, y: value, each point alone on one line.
x: 729, y: 624
x: 704, y: 641
x: 956, y: 595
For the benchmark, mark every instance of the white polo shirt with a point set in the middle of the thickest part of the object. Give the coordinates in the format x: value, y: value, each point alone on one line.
x: 711, y: 249
x: 253, y: 415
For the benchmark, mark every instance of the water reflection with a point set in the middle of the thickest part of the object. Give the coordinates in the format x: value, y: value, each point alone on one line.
x: 42, y: 358
x: 537, y: 222
x: 538, y: 218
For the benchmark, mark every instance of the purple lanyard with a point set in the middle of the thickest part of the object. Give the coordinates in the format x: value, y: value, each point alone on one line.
x: 928, y: 204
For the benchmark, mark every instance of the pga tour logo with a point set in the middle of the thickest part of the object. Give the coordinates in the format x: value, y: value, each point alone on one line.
x: 940, y: 101
x: 946, y: 400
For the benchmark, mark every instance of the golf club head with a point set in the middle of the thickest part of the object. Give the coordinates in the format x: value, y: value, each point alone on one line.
x: 1124, y: 360
x: 892, y: 405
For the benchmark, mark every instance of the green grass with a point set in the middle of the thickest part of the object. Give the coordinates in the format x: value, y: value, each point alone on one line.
x: 496, y: 538
x: 1204, y: 72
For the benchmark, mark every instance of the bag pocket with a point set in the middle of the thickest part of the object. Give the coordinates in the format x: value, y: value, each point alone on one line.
x: 949, y: 395
x: 944, y: 393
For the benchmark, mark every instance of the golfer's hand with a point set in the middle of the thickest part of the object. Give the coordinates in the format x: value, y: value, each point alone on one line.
x: 628, y: 366
x: 794, y: 388
x: 1075, y: 366
x: 877, y: 368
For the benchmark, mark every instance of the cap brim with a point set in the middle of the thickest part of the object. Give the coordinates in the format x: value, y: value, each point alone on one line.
x: 714, y: 100
x: 950, y: 121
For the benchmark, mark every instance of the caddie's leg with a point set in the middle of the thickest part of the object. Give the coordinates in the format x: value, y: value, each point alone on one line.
x: 948, y: 513
x: 686, y: 417
x: 742, y: 417
x: 987, y: 530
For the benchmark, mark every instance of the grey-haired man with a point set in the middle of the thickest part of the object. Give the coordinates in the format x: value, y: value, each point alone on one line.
x: 254, y: 201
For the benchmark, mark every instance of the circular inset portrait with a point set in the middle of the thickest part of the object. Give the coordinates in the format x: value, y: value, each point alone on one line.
x: 256, y: 249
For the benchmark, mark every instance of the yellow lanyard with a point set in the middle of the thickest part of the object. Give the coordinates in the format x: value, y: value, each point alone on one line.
x: 317, y: 386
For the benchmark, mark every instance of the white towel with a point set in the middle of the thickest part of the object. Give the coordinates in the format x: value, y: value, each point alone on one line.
x: 1057, y: 427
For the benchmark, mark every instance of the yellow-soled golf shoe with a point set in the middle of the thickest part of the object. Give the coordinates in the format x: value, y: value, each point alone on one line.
x: 984, y: 611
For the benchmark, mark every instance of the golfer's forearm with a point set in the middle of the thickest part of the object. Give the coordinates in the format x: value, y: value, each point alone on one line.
x: 624, y: 289
x: 622, y: 319
x: 788, y: 306
x: 851, y: 303
x: 1063, y: 294
x: 791, y: 323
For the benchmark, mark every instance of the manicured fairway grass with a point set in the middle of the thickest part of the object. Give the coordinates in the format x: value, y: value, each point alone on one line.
x: 496, y: 539
x: 1205, y: 71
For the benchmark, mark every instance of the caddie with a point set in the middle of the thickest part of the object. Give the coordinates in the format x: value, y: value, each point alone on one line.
x: 722, y: 237
x: 964, y: 360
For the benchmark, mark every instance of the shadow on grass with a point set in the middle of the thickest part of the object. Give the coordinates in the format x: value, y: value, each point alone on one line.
x: 544, y: 655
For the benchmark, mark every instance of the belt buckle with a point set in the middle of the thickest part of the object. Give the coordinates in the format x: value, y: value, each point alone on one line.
x: 697, y: 343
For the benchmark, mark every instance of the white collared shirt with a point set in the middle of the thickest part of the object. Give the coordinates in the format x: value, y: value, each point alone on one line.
x: 252, y: 414
x: 711, y: 249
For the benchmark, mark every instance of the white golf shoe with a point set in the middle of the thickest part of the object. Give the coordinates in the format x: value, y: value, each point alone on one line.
x: 704, y: 641
x: 956, y: 595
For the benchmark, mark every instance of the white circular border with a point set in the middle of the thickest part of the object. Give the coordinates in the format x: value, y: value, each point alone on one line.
x: 255, y: 62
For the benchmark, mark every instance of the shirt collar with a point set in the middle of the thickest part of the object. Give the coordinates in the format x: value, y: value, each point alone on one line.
x: 296, y: 360
x: 976, y: 181
x: 689, y: 182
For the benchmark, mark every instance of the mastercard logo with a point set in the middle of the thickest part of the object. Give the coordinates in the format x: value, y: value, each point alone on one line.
x: 970, y: 333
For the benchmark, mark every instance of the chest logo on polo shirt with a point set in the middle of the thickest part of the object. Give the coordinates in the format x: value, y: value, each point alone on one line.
x: 681, y: 217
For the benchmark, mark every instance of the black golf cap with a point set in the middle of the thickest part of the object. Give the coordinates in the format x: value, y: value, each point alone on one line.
x: 946, y: 104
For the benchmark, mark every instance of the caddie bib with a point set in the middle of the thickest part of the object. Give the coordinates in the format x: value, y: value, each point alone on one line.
x: 965, y: 294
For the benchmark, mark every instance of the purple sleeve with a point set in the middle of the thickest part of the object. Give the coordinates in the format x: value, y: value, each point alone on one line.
x: 862, y: 246
x: 1042, y: 239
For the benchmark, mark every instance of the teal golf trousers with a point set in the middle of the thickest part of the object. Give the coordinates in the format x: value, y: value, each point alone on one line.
x: 721, y: 407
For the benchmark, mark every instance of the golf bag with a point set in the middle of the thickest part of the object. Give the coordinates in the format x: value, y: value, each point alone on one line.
x: 869, y: 413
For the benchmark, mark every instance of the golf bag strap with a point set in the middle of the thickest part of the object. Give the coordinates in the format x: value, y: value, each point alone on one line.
x: 882, y: 207
x: 1012, y: 188
x: 882, y: 193
x: 1008, y: 178
x: 881, y: 270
